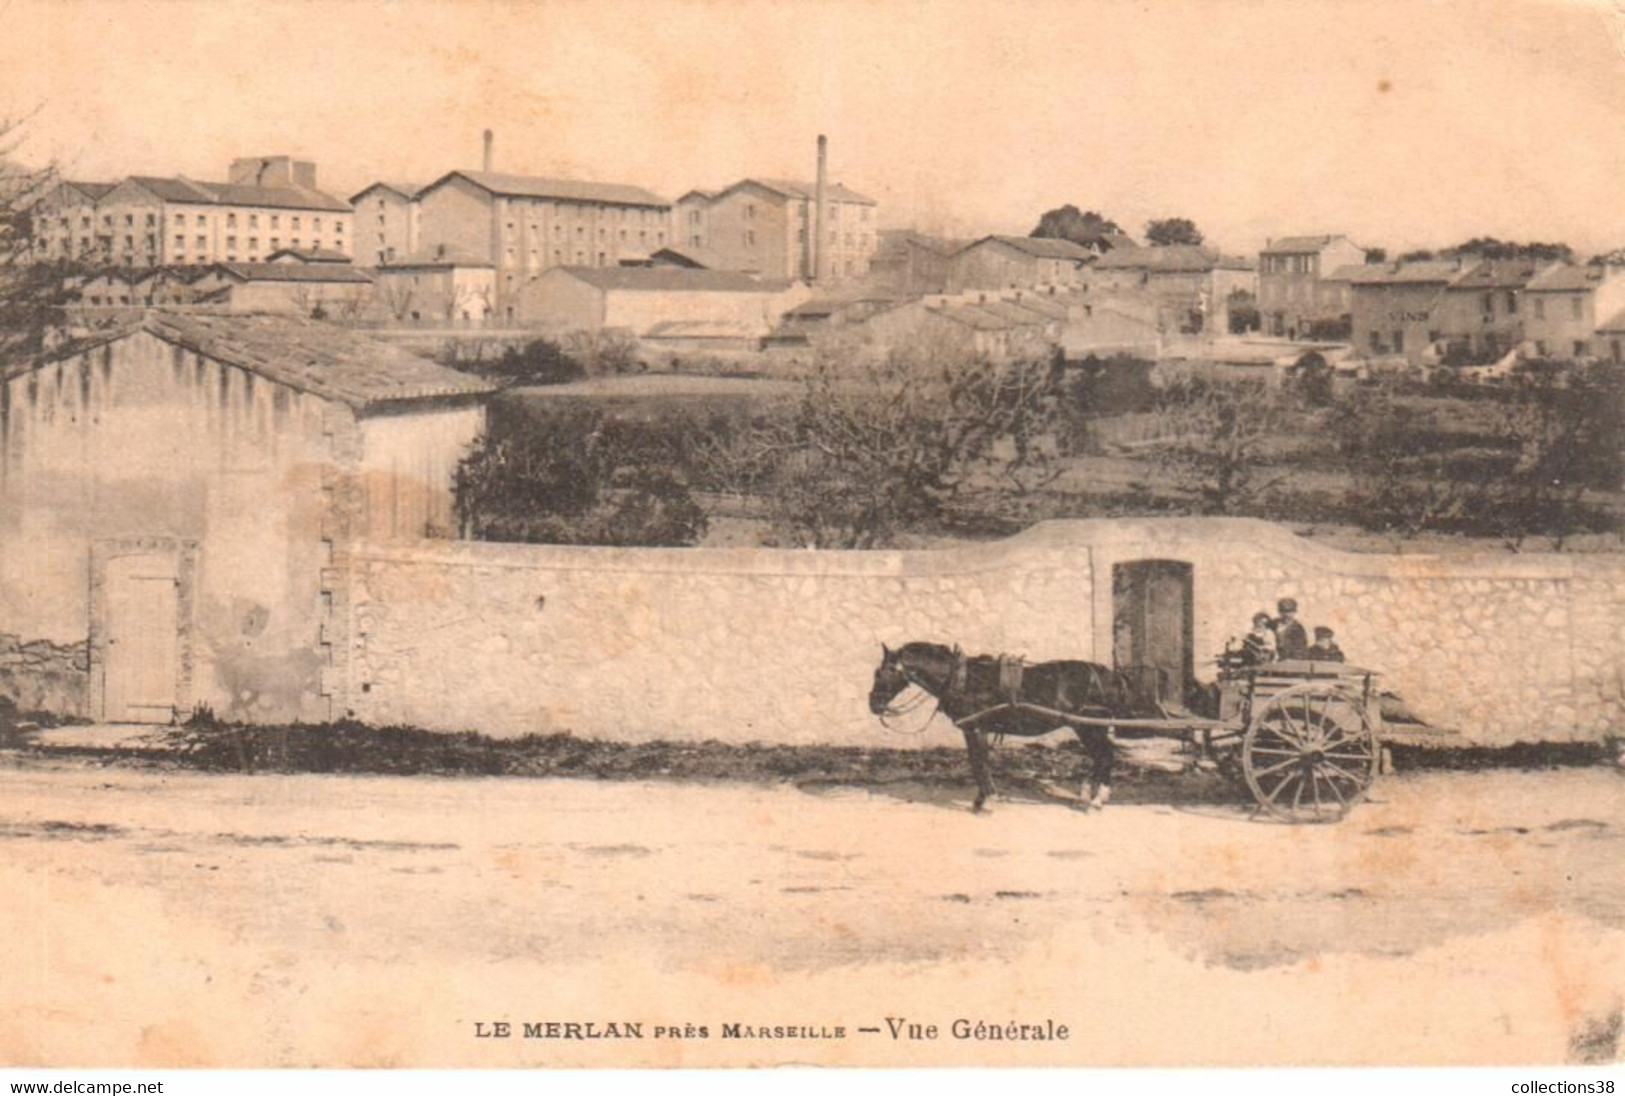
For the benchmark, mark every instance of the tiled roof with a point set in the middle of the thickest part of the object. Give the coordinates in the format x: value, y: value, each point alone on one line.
x: 327, y: 361
x: 1039, y: 246
x: 1513, y: 274
x: 405, y: 190
x: 703, y: 329
x: 792, y: 188
x: 192, y: 192
x: 1433, y: 271
x: 1569, y: 278
x: 311, y: 255
x: 659, y: 279
x: 293, y: 272
x: 568, y: 190
x: 1300, y: 245
x: 700, y: 258
x: 437, y: 258
x: 90, y: 190
x: 1170, y: 259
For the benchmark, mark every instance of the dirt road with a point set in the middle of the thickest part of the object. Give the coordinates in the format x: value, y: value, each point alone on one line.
x: 181, y: 918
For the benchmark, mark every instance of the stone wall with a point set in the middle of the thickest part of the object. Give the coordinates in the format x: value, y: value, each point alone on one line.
x: 781, y: 645
x: 41, y: 676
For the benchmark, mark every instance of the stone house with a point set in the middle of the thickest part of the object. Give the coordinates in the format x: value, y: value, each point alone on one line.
x: 1398, y: 308
x: 173, y: 500
x: 438, y: 287
x: 1017, y: 262
x: 1295, y: 287
x: 1192, y: 284
x: 1567, y: 304
x: 319, y: 289
x: 639, y: 299
x: 1482, y: 312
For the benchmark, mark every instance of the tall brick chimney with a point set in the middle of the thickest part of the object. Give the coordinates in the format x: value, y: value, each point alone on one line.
x: 490, y: 155
x: 820, y: 253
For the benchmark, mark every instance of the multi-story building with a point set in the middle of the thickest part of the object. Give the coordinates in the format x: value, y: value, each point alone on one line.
x: 766, y: 227
x: 386, y: 223
x: 1017, y: 262
x: 524, y: 224
x: 1295, y: 288
x: 1398, y: 308
x: 267, y: 204
x: 1481, y: 315
x: 1567, y: 305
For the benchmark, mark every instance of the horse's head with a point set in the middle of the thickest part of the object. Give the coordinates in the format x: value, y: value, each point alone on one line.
x: 890, y: 679
x: 927, y: 665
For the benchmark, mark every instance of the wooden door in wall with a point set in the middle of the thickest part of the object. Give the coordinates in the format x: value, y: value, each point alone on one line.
x: 1153, y: 626
x: 140, y: 638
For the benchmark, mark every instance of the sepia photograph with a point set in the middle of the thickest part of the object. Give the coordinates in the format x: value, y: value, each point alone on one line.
x: 603, y: 534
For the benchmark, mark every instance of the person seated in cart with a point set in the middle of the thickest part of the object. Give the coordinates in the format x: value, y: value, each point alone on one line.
x: 1325, y: 648
x: 1291, y: 641
x: 1258, y: 645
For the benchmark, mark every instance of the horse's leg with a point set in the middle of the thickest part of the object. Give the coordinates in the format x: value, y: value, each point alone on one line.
x: 1101, y: 759
x: 976, y: 746
x: 1086, y: 768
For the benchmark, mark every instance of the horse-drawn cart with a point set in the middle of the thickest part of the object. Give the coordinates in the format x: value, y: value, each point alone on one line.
x: 1305, y: 736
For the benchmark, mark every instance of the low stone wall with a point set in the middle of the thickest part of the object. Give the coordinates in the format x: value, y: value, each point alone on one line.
x: 41, y: 676
x: 780, y: 646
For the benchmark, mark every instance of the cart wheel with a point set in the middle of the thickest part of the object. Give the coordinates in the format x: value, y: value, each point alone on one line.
x: 1310, y: 754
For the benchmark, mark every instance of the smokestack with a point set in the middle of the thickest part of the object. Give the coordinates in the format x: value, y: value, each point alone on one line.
x: 820, y: 253
x: 490, y: 141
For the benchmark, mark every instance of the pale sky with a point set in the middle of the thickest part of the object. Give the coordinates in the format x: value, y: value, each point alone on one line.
x: 1401, y: 124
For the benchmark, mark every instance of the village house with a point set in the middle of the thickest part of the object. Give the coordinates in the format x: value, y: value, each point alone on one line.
x: 765, y: 227
x: 320, y: 290
x: 908, y: 262
x: 1481, y: 315
x: 525, y: 224
x: 1296, y: 293
x: 442, y: 286
x: 1398, y: 308
x: 1566, y: 306
x: 265, y: 204
x: 172, y: 501
x: 1017, y: 262
x: 386, y: 222
x: 639, y: 299
x: 999, y: 326
x: 1192, y: 285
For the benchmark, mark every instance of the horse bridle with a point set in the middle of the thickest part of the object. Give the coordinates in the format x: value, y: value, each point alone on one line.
x: 955, y: 673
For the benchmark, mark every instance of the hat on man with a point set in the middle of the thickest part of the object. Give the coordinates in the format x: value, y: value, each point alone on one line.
x: 1261, y: 618
x: 1286, y: 605
x: 1323, y: 632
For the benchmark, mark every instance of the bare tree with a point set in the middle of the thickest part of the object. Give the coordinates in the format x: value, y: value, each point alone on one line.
x: 34, y: 290
x: 874, y: 449
x: 1213, y: 439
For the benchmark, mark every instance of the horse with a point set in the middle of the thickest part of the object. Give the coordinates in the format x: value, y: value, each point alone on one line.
x: 980, y: 695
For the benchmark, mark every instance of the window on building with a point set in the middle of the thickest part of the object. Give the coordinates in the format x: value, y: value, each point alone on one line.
x: 1615, y: 348
x: 1540, y: 308
x: 1512, y: 302
x: 253, y: 243
x: 231, y: 220
x: 276, y: 242
x: 600, y: 258
x: 231, y: 242
x: 750, y: 237
x: 750, y: 211
x: 295, y: 242
x: 1576, y: 307
x: 180, y: 243
x: 1399, y: 342
x: 694, y: 241
x: 1487, y: 304
x: 202, y: 242
x: 1582, y: 348
x: 338, y: 228
x: 253, y: 220
x: 129, y: 220
x: 107, y: 220
x: 276, y: 220
x: 660, y: 237
x: 623, y: 236
x: 316, y: 224
x: 1540, y: 348
x: 693, y: 217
